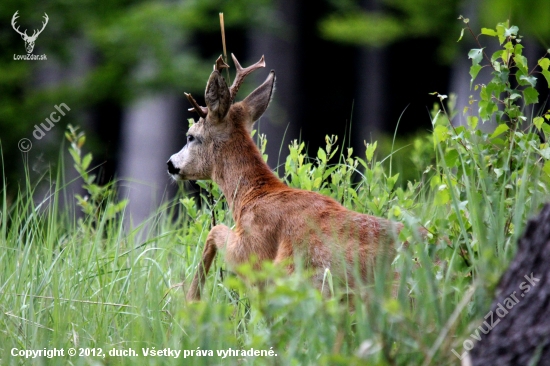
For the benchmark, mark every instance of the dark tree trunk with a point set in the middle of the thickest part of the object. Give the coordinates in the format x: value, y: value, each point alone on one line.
x: 522, y: 337
x: 281, y: 121
x: 371, y: 91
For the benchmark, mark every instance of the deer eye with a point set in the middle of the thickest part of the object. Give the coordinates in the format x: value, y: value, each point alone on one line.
x: 190, y: 138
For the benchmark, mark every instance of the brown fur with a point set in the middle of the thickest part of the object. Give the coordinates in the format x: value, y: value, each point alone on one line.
x: 274, y: 222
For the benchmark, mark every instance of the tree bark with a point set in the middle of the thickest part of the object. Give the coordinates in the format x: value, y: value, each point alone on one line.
x: 280, y: 46
x: 522, y: 337
x: 148, y: 140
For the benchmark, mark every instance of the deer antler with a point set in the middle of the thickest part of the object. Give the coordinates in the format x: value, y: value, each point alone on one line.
x: 201, y: 111
x: 242, y: 73
x: 24, y: 34
x: 220, y: 64
x: 43, y: 26
x: 13, y: 19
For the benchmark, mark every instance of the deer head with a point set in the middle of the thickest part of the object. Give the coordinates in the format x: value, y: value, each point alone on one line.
x: 29, y: 40
x: 221, y: 121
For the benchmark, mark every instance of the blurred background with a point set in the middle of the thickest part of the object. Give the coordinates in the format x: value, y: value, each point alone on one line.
x: 356, y: 69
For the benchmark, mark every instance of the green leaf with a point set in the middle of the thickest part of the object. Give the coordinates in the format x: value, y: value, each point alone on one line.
x: 545, y: 153
x: 538, y: 121
x: 503, y: 75
x: 529, y: 79
x: 370, y: 150
x: 512, y: 31
x: 499, y: 142
x: 500, y: 130
x: 508, y: 52
x: 546, y: 75
x: 544, y: 63
x: 483, y: 110
x: 521, y: 63
x: 75, y: 155
x: 322, y: 155
x: 461, y: 34
x: 86, y: 161
x: 494, y: 88
x: 317, y: 183
x: 501, y: 29
x: 442, y: 196
x: 81, y: 141
x: 474, y: 70
x: 489, y: 32
x: 531, y: 96
x: 352, y: 192
x: 440, y: 134
x: 486, y: 109
x: 476, y: 54
x: 496, y: 55
x: 392, y: 180
x: 472, y: 122
x: 451, y: 158
x: 546, y: 168
x: 396, y: 211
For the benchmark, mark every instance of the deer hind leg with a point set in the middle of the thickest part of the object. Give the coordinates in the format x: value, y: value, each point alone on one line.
x: 217, y: 238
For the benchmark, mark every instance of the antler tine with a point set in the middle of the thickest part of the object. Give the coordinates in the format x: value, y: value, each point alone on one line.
x: 13, y: 22
x: 37, y: 32
x: 220, y: 64
x: 44, y: 23
x: 242, y: 73
x: 201, y: 111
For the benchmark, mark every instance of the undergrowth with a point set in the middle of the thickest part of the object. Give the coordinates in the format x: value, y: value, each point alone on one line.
x: 76, y: 277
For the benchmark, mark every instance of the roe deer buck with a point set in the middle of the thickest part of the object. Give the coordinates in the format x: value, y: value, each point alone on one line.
x: 273, y: 222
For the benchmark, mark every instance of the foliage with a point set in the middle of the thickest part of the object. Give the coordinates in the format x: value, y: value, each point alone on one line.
x: 97, y: 195
x: 91, y: 283
x: 103, y: 54
x: 398, y: 20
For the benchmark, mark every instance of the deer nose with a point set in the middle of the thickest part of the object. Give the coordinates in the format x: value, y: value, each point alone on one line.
x: 171, y: 168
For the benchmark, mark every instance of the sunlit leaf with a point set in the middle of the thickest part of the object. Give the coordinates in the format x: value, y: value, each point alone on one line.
x: 500, y: 130
x: 476, y: 54
x: 538, y: 121
x: 546, y: 75
x: 489, y: 32
x: 512, y: 31
x: 472, y: 122
x: 474, y: 70
x: 440, y: 133
x: 461, y: 34
x: 544, y: 63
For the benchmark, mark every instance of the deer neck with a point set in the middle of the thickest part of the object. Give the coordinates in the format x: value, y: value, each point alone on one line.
x: 242, y: 174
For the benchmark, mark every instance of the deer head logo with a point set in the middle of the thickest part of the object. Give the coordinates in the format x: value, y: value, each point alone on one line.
x: 29, y: 40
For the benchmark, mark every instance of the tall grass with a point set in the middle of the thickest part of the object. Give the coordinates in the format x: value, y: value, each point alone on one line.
x: 87, y: 282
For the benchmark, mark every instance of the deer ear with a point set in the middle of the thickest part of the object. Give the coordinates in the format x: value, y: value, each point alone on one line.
x: 257, y: 101
x: 217, y: 96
